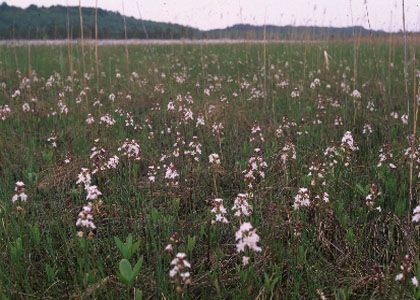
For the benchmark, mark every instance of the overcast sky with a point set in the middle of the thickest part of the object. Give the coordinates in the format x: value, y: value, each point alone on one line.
x: 209, y: 14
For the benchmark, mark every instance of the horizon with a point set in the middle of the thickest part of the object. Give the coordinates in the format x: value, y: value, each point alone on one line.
x: 360, y: 13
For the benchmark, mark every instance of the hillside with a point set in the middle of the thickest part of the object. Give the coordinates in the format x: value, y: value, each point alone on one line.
x: 53, y: 22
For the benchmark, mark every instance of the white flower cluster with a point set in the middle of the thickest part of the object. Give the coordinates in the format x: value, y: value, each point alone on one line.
x: 367, y: 129
x: 5, y: 111
x: 131, y: 149
x: 288, y: 152
x: 214, y: 159
x: 180, y: 269
x: 255, y: 169
x: 347, y: 141
x: 85, y: 217
x: 241, y: 206
x: 53, y: 139
x: 385, y: 156
x: 406, y: 269
x: 316, y: 83
x: 356, y: 94
x: 373, y: 195
x: 20, y: 194
x: 107, y: 119
x: 90, y: 119
x: 416, y: 214
x: 194, y: 149
x: 217, y: 129
x: 256, y: 134
x: 172, y: 175
x: 219, y: 211
x: 152, y: 173
x: 200, y: 120
x: 302, y: 199
x: 247, y: 237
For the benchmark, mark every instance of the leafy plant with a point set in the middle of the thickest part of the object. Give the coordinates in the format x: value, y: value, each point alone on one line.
x: 127, y: 274
x: 128, y: 248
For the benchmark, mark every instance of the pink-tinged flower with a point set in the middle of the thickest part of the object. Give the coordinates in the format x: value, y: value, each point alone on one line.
x: 107, y: 119
x: 241, y: 206
x: 414, y: 281
x: 180, y: 269
x: 84, y: 177
x: 5, y: 111
x: 348, y: 142
x: 246, y: 237
x: 219, y: 212
x: 214, y: 159
x: 131, y: 149
x: 302, y: 199
x: 85, y: 217
x: 356, y: 94
x: 19, y: 192
x: 416, y: 214
x: 93, y: 192
x: 171, y: 173
x: 200, y: 120
x: 394, y: 115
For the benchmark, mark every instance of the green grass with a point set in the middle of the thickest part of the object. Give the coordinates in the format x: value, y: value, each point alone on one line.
x: 342, y: 249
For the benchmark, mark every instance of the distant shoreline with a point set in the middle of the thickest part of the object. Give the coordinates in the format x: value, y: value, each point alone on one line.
x: 108, y: 42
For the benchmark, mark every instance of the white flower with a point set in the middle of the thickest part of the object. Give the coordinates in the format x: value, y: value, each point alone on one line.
x: 180, y: 267
x: 214, y: 159
x: 131, y: 149
x: 294, y: 93
x: 85, y: 217
x: 16, y: 94
x: 90, y: 119
x: 107, y: 119
x: 171, y: 172
x: 26, y: 107
x: 113, y: 162
x: 367, y: 129
x: 394, y: 115
x: 20, y: 192
x: 5, y: 111
x: 416, y: 214
x: 219, y: 211
x: 245, y: 237
x: 84, y: 177
x: 399, y: 277
x: 404, y: 119
x: 93, y: 192
x: 348, y: 141
x: 414, y: 281
x: 356, y: 94
x: 302, y: 199
x: 241, y: 206
x: 200, y: 120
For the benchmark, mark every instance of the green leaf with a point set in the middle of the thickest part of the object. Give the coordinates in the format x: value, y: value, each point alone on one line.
x: 119, y: 244
x: 126, y: 271
x: 137, y: 267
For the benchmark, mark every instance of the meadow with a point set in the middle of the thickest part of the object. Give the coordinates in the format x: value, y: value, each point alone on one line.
x: 228, y: 171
